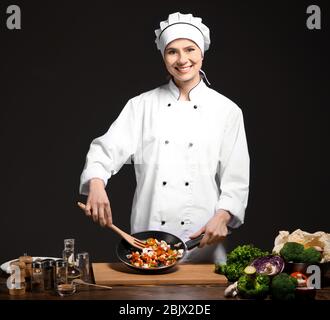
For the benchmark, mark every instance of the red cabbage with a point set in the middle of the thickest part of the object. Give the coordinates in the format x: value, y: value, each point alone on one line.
x: 269, y: 265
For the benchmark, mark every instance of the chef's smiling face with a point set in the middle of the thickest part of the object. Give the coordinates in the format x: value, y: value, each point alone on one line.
x: 183, y: 60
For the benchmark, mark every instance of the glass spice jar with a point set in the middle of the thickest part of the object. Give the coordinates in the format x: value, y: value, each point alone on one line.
x: 49, y: 273
x: 69, y: 256
x: 84, y: 266
x: 61, y: 276
x: 37, y: 279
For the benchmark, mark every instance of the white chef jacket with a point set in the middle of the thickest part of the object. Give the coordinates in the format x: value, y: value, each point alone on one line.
x: 190, y: 157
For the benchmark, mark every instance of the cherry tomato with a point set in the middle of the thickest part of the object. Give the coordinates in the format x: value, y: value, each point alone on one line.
x: 298, y: 275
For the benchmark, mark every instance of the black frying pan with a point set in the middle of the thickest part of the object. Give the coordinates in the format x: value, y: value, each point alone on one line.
x: 124, y: 248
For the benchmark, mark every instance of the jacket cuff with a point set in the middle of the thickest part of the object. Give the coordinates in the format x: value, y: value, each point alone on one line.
x: 236, y: 210
x: 90, y: 174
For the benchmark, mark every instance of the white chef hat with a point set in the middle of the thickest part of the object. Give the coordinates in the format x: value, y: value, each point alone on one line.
x: 182, y: 26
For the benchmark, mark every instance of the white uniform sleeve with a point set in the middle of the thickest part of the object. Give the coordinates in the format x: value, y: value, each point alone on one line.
x: 234, y: 167
x: 108, y: 153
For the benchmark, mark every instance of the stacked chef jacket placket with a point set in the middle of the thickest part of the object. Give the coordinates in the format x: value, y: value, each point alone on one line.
x: 184, y: 117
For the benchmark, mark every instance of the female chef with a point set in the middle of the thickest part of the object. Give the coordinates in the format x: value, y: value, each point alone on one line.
x: 188, y: 146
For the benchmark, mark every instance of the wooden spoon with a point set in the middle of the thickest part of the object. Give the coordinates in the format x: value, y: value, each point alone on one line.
x: 139, y: 244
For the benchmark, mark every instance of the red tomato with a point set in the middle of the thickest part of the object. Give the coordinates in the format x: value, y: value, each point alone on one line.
x: 298, y: 275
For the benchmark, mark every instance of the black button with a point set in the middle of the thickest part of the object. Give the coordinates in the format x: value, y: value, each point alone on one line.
x: 182, y: 222
x: 187, y: 183
x: 195, y: 107
x: 164, y: 183
x: 191, y: 144
x: 163, y: 222
x: 166, y: 142
x: 169, y: 105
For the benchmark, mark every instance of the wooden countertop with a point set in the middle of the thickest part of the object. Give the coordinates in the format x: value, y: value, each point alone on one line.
x: 139, y: 292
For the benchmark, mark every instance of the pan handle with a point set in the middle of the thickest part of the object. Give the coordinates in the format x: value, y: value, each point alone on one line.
x: 190, y: 244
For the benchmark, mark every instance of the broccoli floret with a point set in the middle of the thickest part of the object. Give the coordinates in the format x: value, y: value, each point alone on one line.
x: 219, y: 268
x: 263, y: 280
x: 292, y: 251
x: 283, y: 287
x: 231, y: 271
x: 245, y: 254
x: 311, y: 255
x: 295, y: 252
x: 253, y: 286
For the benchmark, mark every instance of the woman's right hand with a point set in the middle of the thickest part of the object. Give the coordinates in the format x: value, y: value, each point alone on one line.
x: 98, y: 204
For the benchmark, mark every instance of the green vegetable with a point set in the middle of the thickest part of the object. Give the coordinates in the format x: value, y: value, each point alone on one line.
x: 295, y: 252
x: 237, y: 260
x: 292, y: 251
x: 250, y: 270
x: 255, y: 286
x: 231, y: 271
x: 245, y: 254
x: 283, y: 287
x: 219, y: 268
x: 311, y: 255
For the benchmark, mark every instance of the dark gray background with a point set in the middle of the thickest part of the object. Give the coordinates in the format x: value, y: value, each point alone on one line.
x: 70, y: 70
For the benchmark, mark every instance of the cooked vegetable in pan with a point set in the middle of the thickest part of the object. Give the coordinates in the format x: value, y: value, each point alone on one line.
x: 155, y: 254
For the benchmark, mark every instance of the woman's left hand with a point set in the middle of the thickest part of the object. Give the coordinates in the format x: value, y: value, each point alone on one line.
x: 215, y: 230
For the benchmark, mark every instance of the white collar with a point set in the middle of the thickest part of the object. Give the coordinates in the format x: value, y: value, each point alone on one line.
x: 194, y: 93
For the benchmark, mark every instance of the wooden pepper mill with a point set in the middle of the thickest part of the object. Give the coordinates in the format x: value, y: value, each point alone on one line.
x: 28, y: 270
